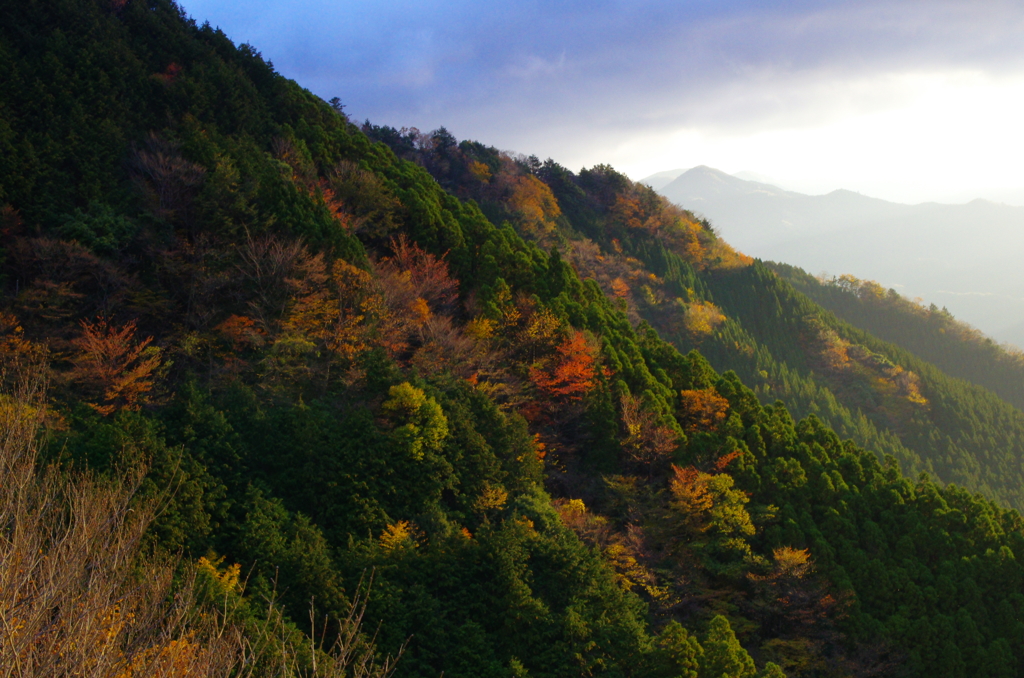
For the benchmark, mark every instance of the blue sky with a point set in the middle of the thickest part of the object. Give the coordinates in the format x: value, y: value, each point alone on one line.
x: 910, y: 101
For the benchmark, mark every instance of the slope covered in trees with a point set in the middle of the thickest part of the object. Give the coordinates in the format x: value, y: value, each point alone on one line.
x: 671, y: 270
x: 929, y: 332
x: 429, y: 365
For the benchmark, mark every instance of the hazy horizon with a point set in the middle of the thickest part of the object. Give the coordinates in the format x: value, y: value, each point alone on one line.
x: 1013, y: 199
x: 959, y: 256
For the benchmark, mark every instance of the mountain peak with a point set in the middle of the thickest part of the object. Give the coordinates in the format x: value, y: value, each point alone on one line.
x: 703, y: 183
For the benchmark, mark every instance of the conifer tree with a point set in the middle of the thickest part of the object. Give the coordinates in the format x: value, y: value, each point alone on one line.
x: 724, y: 657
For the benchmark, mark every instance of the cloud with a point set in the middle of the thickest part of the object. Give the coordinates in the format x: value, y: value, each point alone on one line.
x: 573, y: 78
x: 610, y: 61
x: 532, y: 67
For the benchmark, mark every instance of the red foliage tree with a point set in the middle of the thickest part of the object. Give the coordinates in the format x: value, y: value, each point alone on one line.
x: 424, y: 275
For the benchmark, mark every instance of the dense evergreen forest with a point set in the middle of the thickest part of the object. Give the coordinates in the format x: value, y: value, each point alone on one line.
x: 284, y: 395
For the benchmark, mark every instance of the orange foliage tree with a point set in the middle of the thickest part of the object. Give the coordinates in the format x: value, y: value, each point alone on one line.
x: 113, y: 366
x: 332, y: 310
x: 241, y: 331
x: 402, y: 303
x: 571, y: 373
x: 414, y: 307
x: 701, y: 410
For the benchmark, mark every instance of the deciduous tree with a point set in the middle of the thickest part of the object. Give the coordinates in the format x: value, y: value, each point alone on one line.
x: 701, y: 409
x: 570, y: 374
x: 113, y: 366
x: 647, y: 440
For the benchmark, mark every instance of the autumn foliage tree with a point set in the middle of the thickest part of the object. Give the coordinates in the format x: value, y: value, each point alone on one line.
x: 702, y: 318
x: 647, y: 440
x: 329, y: 320
x: 710, y: 504
x: 570, y: 374
x: 338, y: 311
x: 418, y: 298
x: 416, y: 282
x: 15, y: 349
x: 113, y: 367
x: 534, y: 206
x: 241, y: 331
x: 702, y: 409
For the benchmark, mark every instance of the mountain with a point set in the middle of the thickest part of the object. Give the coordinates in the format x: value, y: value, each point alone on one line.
x: 285, y: 395
x: 961, y: 257
x: 748, y: 176
x: 661, y: 179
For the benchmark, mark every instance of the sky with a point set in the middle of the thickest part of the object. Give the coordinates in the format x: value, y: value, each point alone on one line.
x: 907, y: 100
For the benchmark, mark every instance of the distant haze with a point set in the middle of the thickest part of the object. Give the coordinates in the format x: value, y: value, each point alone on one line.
x: 964, y: 257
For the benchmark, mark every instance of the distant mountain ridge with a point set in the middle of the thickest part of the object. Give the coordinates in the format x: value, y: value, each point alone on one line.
x: 962, y: 257
x: 659, y: 180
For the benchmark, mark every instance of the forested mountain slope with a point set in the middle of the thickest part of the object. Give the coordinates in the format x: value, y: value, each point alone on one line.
x: 698, y: 293
x: 929, y: 332
x: 442, y: 368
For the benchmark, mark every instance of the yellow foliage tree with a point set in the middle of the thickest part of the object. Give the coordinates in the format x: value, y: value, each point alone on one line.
x: 479, y: 170
x: 535, y: 207
x: 417, y: 418
x: 397, y: 536
x: 702, y: 318
x: 710, y: 503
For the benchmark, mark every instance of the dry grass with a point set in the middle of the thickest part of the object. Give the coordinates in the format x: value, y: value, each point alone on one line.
x: 78, y: 597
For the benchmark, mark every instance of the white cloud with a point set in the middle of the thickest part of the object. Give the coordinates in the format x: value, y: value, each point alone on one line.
x: 908, y: 137
x: 533, y: 66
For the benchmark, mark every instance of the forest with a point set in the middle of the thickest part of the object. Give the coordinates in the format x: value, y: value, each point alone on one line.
x: 284, y: 394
